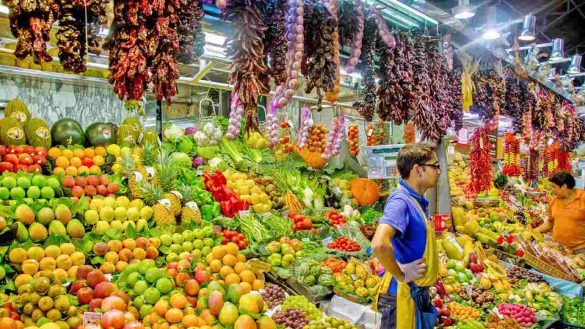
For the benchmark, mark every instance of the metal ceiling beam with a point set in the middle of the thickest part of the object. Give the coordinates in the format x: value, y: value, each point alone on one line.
x: 564, y: 14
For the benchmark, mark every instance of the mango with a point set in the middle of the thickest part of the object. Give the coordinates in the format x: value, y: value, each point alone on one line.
x: 37, y: 232
x: 57, y: 228
x: 215, y: 302
x: 452, y: 248
x: 75, y: 229
x: 21, y: 232
x: 245, y: 322
x: 266, y: 322
x: 215, y: 286
x: 228, y: 315
x: 251, y: 304
x: 235, y: 292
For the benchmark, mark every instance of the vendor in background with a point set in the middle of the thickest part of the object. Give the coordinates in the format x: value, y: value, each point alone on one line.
x: 566, y: 213
x: 405, y: 244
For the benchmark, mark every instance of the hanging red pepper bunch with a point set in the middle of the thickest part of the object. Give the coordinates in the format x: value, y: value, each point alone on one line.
x: 230, y: 204
x: 556, y: 159
x: 248, y: 66
x: 164, y: 67
x: 511, y: 155
x: 480, y: 161
x: 409, y: 133
x: 563, y: 160
x: 31, y: 22
x: 535, y: 140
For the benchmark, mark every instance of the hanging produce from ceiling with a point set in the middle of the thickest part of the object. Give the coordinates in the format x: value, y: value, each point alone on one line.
x: 248, y: 64
x: 351, y: 30
x: 332, y: 95
x: 191, y: 38
x: 366, y: 106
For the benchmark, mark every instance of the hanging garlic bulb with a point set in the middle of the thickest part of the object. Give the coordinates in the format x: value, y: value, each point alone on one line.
x: 304, y: 126
x: 236, y: 112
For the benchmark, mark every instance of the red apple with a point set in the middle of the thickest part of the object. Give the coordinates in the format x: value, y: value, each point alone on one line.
x: 77, y: 191
x: 95, y: 303
x: 102, y: 190
x: 113, y: 319
x: 113, y: 303
x: 83, y: 271
x: 94, y: 277
x: 76, y: 285
x: 25, y: 158
x: 202, y: 276
x: 104, y: 289
x: 68, y: 181
x: 84, y: 295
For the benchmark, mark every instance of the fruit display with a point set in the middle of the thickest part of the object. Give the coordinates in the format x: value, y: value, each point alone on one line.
x: 18, y: 186
x: 283, y: 253
x: 197, y: 242
x: 75, y: 161
x: 115, y: 255
x: 464, y: 313
x: 25, y: 158
x: 302, y: 304
x: 247, y: 190
x: 525, y: 316
x: 365, y: 284
x: 89, y: 186
x: 62, y: 261
x: 344, y: 244
x: 117, y: 213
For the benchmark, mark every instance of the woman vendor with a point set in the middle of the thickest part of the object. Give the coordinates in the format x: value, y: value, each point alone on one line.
x: 566, y: 213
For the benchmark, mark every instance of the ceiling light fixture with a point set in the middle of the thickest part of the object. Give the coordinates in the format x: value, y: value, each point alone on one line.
x: 528, y: 28
x: 575, y: 66
x: 491, y: 24
x: 463, y: 10
x: 557, y: 50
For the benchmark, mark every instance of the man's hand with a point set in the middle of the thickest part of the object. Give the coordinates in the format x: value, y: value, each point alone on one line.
x: 412, y: 271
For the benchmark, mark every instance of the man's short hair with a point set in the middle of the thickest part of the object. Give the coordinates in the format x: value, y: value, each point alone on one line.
x: 412, y: 154
x: 561, y: 178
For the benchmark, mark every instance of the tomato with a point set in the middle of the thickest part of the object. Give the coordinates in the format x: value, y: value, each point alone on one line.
x: 224, y: 240
x: 242, y: 245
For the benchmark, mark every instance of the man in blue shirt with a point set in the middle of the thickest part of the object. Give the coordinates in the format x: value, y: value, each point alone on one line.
x: 401, y: 237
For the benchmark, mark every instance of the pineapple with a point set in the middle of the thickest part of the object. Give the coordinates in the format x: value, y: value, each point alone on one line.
x: 150, y: 157
x: 190, y: 211
x: 153, y: 196
x: 128, y: 169
x: 167, y: 176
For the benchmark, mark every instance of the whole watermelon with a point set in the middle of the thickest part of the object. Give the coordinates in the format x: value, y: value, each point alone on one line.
x: 101, y: 134
x: 67, y: 131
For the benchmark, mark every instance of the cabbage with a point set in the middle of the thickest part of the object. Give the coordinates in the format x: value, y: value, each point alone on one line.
x: 181, y: 159
x: 326, y: 280
x: 185, y: 144
x: 315, y: 270
x: 173, y: 132
x: 319, y: 290
x: 310, y: 280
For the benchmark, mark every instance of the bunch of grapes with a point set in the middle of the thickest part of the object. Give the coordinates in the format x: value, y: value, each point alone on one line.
x: 302, y: 303
x: 291, y: 318
x: 273, y: 295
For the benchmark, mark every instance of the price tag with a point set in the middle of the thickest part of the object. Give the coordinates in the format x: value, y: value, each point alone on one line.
x: 91, y: 317
x: 138, y: 176
x: 192, y: 205
x: 178, y: 194
x: 107, y: 133
x: 150, y: 172
x: 166, y: 203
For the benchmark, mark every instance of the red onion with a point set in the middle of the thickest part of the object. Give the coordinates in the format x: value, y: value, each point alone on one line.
x: 383, y: 30
x: 356, y: 45
x: 304, y: 126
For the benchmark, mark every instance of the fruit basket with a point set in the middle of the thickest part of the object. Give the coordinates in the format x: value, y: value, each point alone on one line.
x: 546, y: 268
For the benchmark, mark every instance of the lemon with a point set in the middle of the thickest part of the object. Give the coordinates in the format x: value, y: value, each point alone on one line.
x: 146, y: 213
x: 92, y: 216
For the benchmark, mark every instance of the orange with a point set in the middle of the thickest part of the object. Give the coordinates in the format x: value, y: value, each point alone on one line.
x: 161, y: 307
x: 247, y: 276
x: 215, y: 266
x: 190, y: 320
x: 257, y: 284
x: 78, y: 153
x: 241, y: 258
x: 95, y: 170
x: 58, y: 171
x: 98, y: 160
x: 75, y: 161
x: 100, y: 150
x: 246, y: 286
x: 229, y: 260
x: 225, y: 270
x: 82, y: 170
x: 67, y: 153
x: 232, y: 248
x: 232, y: 278
x: 89, y: 152
x: 218, y: 252
x: 239, y: 267
x: 54, y: 152
x: 62, y: 161
x: 71, y: 171
x: 178, y: 301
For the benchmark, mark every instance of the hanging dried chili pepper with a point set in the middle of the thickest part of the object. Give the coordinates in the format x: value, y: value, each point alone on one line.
x: 480, y: 162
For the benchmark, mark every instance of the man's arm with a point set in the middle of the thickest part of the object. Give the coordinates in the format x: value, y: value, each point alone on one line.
x: 385, y: 252
x: 544, y: 227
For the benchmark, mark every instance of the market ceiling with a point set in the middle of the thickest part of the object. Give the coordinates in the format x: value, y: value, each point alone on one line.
x: 554, y: 19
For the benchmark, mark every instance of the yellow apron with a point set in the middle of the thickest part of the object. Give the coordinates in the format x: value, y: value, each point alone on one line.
x: 404, y: 302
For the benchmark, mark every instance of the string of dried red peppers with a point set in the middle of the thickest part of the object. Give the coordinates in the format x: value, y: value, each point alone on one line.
x: 480, y: 162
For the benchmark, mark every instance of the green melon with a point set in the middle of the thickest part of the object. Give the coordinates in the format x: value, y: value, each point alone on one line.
x: 134, y: 122
x: 38, y: 133
x: 101, y: 134
x: 128, y: 135
x: 149, y: 136
x: 11, y: 132
x: 17, y: 110
x: 66, y: 132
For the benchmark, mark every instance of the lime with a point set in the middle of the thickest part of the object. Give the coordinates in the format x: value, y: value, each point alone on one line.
x: 23, y: 182
x: 4, y: 193
x: 164, y: 285
x: 166, y: 240
x: 9, y: 182
x: 140, y: 287
x: 146, y: 310
x: 47, y: 192
x: 151, y: 295
x: 17, y: 193
x: 138, y: 301
x: 33, y: 192
x: 133, y: 278
x: 53, y: 182
x: 38, y: 180
x: 153, y: 274
x: 208, y: 242
x: 198, y: 244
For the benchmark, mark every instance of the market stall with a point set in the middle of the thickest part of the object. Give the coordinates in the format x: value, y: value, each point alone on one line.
x: 184, y: 164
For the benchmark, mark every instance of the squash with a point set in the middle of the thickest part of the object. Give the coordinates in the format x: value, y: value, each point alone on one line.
x: 313, y: 160
x: 365, y: 191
